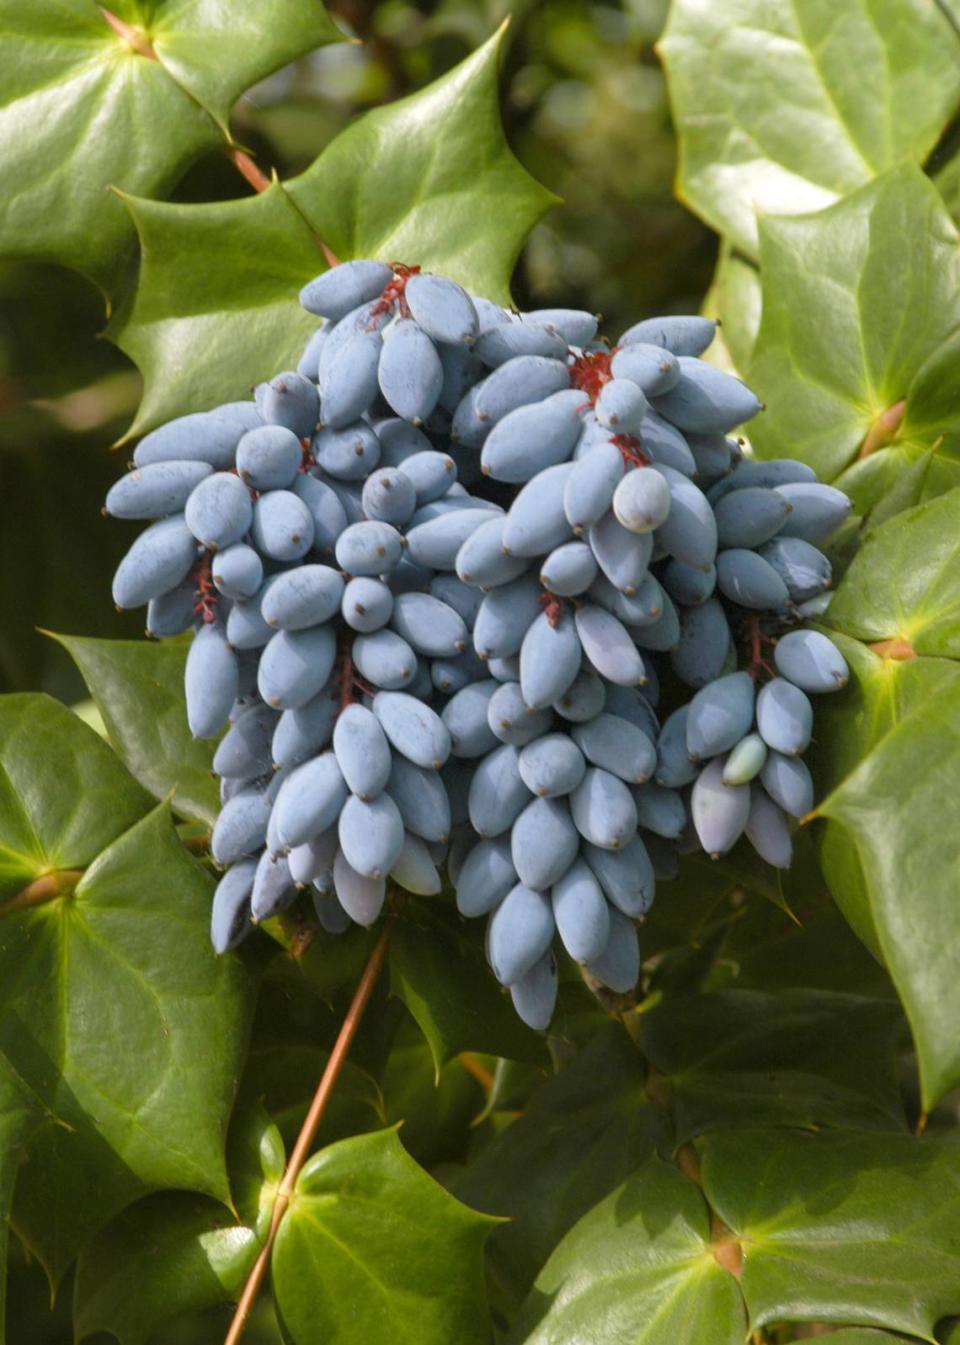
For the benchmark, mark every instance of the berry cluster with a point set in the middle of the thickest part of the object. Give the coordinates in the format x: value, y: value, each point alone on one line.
x: 417, y: 675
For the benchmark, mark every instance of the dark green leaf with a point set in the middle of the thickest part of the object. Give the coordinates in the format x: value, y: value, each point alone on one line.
x: 64, y: 796
x: 861, y: 311
x: 205, y: 333
x: 636, y: 1269
x: 18, y: 1116
x: 167, y: 1254
x: 781, y: 107
x: 842, y: 1227
x: 126, y: 1029
x: 373, y: 1252
x: 285, y: 1074
x: 172, y: 1252
x: 580, y: 1135
x: 217, y: 51
x: 138, y: 689
x: 765, y: 950
x: 904, y: 583
x: 748, y: 1059
x: 422, y: 180
x: 434, y: 1111
x: 438, y: 969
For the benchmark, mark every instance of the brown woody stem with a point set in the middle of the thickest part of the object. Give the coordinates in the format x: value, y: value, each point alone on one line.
x: 135, y: 38
x: 245, y: 165
x: 41, y: 890
x: 884, y: 429
x: 348, y: 1030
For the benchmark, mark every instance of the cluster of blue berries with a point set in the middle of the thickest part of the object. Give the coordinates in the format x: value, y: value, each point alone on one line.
x: 438, y: 576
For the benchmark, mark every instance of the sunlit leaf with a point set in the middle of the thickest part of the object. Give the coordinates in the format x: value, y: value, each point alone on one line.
x: 781, y: 108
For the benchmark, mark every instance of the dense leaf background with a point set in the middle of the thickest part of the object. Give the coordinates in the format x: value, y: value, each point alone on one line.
x: 762, y: 1143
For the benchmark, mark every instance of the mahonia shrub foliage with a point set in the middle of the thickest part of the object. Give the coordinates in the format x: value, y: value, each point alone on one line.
x: 464, y: 612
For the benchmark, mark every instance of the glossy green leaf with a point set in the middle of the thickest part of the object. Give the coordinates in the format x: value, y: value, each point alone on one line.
x: 438, y: 969
x: 581, y: 1134
x: 861, y: 311
x: 637, y: 1269
x: 390, y: 186
x: 64, y: 796
x: 182, y: 1252
x: 215, y: 51
x: 127, y: 1030
x: 904, y: 583
x: 138, y: 688
x: 81, y: 112
x: 781, y: 108
x: 84, y: 109
x: 881, y: 694
x: 206, y: 333
x: 747, y: 1059
x: 845, y: 1227
x: 897, y: 812
x: 423, y: 179
x: 373, y: 1252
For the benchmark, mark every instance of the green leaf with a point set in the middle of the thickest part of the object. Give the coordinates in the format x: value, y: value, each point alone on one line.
x: 735, y: 298
x: 83, y: 109
x: 882, y: 693
x: 138, y: 689
x: 781, y: 108
x: 64, y: 796
x: 215, y: 310
x: 435, y: 1112
x: 216, y: 51
x: 764, y: 950
x: 861, y: 311
x: 126, y: 1029
x: 748, y: 1059
x: 897, y: 814
x: 285, y: 1074
x: 638, y: 1269
x: 860, y: 1335
x: 841, y: 1227
x: 408, y: 182
x: 438, y: 969
x: 421, y: 180
x: 182, y: 1252
x: 18, y: 1116
x: 904, y: 583
x: 373, y: 1251
x: 80, y: 112
x: 167, y: 1254
x: 580, y: 1135
x: 52, y: 528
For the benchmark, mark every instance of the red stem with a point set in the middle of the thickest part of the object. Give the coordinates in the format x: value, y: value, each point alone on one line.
x: 301, y: 1149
